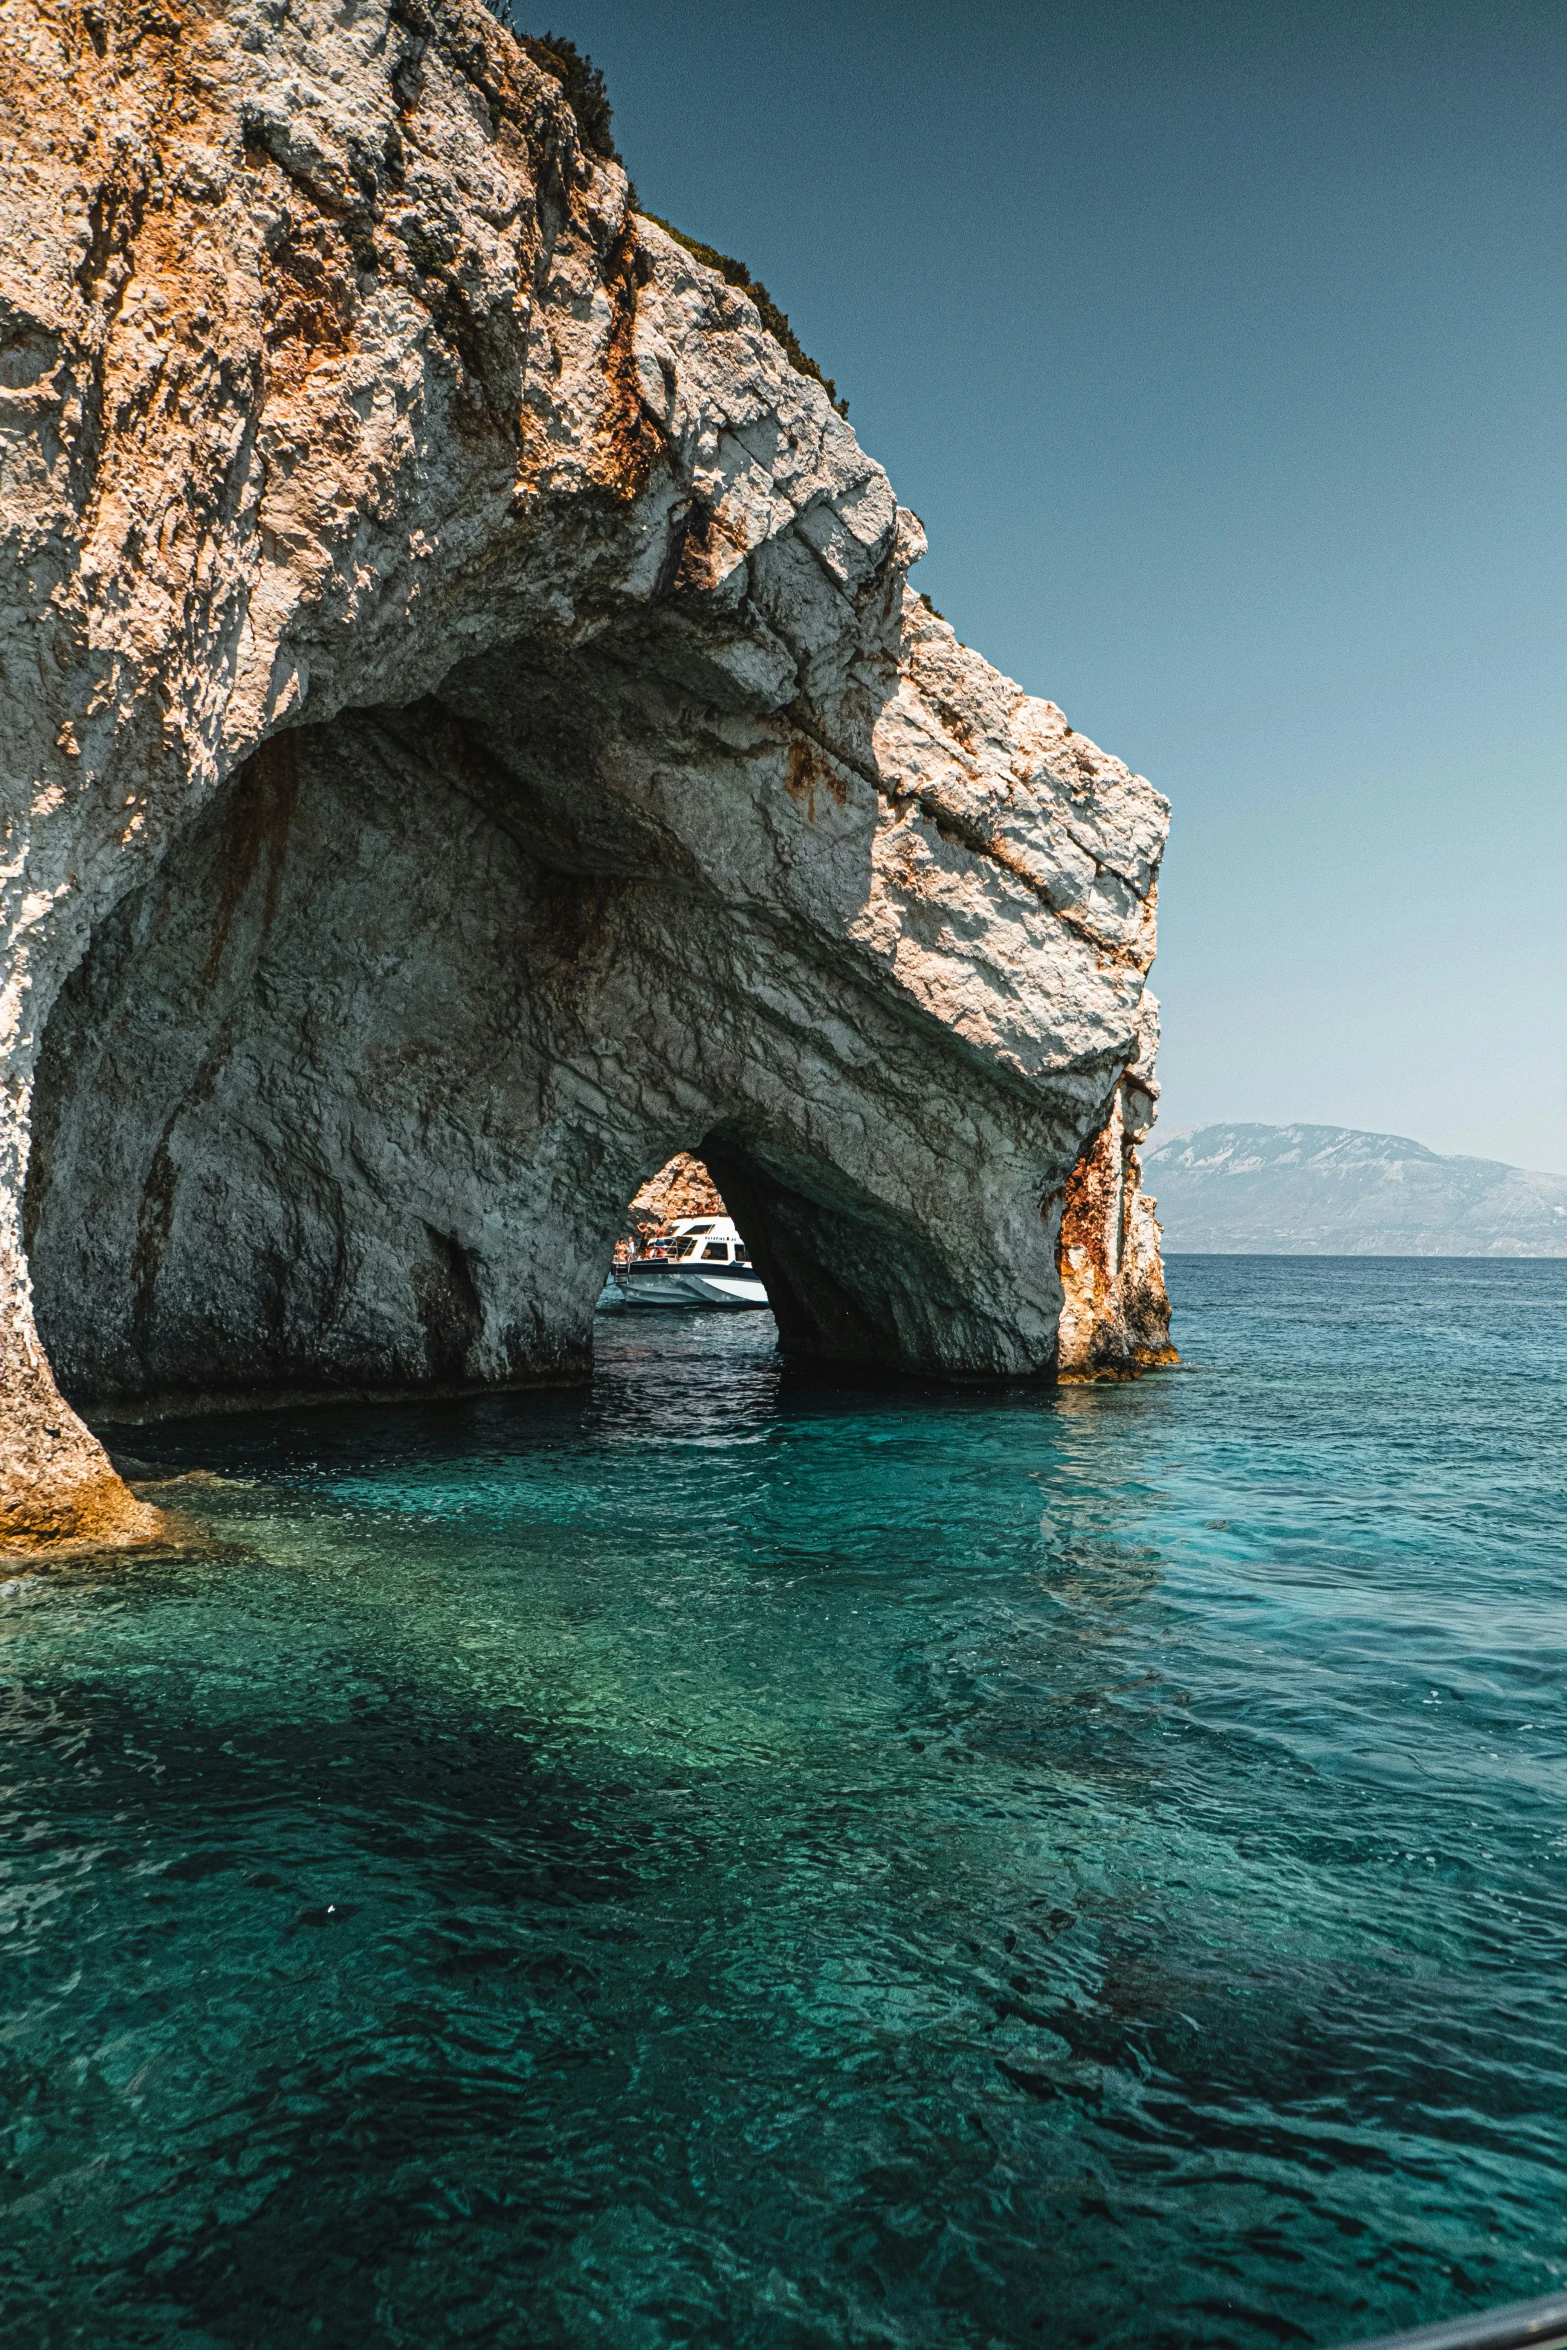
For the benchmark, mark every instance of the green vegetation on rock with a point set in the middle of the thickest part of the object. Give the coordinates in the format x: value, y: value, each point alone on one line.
x: 579, y: 77
x: 735, y: 273
x: 583, y: 83
x: 584, y: 87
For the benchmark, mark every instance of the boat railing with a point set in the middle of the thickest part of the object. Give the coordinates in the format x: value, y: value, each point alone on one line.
x: 1522, y: 2325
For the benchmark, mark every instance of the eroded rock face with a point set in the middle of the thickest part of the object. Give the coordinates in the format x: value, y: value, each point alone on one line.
x: 470, y: 738
x: 682, y: 1188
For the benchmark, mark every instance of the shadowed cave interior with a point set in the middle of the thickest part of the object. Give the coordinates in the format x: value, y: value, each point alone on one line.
x: 351, y: 1097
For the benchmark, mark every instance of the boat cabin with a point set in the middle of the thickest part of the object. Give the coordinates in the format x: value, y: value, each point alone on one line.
x: 706, y: 1240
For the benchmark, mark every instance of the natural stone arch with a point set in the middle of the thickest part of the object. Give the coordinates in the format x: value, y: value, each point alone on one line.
x: 474, y: 739
x: 350, y: 1096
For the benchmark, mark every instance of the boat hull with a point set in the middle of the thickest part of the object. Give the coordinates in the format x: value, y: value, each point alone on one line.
x: 682, y: 1289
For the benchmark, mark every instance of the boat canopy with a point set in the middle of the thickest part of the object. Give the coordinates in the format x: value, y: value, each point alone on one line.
x: 711, y: 1240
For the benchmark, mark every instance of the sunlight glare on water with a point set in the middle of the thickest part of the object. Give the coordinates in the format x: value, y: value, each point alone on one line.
x: 732, y: 1860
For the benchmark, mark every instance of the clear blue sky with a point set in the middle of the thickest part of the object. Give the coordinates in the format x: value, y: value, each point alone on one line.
x: 1223, y: 350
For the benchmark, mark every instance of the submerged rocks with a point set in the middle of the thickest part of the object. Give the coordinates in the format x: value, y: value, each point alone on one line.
x: 470, y: 738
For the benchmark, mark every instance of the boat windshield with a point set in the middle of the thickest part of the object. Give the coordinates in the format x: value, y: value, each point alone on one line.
x: 710, y: 1242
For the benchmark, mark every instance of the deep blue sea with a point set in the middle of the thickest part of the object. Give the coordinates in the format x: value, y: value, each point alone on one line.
x: 732, y: 1861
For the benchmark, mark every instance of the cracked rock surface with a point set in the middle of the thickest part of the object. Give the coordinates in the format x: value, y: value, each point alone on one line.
x: 469, y: 738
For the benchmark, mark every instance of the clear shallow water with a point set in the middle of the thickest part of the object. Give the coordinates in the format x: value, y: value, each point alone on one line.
x: 728, y: 1861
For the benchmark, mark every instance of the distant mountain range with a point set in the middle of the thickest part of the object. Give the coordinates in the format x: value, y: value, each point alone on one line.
x: 1333, y: 1191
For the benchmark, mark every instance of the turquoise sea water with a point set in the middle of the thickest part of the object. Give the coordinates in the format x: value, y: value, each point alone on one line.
x: 727, y: 1860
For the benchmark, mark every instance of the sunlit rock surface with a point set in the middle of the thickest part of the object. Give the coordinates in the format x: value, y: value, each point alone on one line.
x: 683, y: 1188
x: 469, y: 738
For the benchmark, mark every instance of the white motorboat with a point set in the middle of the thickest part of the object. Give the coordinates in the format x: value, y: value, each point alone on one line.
x: 702, y: 1262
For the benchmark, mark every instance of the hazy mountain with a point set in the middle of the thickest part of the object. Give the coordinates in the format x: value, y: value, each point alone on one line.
x: 1333, y: 1191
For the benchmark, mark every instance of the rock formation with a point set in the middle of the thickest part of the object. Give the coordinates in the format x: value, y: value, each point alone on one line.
x: 683, y: 1188
x: 469, y: 737
x: 1248, y: 1190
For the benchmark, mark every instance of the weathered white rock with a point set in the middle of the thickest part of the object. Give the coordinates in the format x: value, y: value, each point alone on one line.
x: 468, y: 737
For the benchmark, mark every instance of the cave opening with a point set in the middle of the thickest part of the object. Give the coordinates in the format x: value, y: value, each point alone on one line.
x: 349, y: 1098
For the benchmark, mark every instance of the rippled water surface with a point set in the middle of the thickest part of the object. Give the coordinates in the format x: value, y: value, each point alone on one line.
x: 729, y: 1861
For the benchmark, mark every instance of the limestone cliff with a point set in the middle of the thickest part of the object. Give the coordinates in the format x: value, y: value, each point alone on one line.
x: 469, y: 737
x: 683, y: 1188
